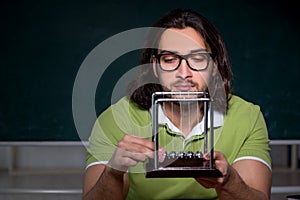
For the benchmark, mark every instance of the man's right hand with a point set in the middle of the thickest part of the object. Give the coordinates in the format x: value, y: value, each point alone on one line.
x: 131, y: 150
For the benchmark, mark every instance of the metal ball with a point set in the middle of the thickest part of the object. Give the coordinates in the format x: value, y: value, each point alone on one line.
x: 181, y: 154
x: 199, y: 154
x: 172, y: 154
x: 190, y: 154
x: 165, y: 155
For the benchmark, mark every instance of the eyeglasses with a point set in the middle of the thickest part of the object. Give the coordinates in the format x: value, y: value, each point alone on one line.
x: 169, y: 61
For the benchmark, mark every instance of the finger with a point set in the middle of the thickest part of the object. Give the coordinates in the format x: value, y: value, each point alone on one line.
x: 220, y: 162
x: 140, y: 157
x: 127, y: 161
x: 122, y: 163
x: 206, y: 156
x: 143, y: 156
x: 217, y: 155
x: 139, y: 141
x: 140, y: 145
x: 161, y: 154
x: 136, y: 144
x: 123, y: 159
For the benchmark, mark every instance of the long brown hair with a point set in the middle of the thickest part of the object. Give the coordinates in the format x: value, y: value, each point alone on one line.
x: 179, y: 19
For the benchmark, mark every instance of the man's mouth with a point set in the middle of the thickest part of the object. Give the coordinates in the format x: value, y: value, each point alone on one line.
x: 184, y: 87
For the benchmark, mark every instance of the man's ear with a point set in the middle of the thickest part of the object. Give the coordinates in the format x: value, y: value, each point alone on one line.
x: 154, y: 67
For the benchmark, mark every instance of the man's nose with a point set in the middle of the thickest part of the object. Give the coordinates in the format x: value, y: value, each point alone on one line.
x: 184, y: 71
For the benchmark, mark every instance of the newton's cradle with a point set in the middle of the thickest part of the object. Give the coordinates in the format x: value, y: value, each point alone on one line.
x: 183, y: 164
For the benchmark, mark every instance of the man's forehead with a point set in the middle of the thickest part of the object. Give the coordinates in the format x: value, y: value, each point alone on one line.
x: 181, y: 52
x: 181, y: 40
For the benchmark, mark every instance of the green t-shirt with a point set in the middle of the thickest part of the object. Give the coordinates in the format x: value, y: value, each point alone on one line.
x: 243, y: 136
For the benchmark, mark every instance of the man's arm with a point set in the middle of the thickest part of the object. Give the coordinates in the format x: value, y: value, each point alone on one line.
x: 106, y: 182
x: 111, y: 181
x: 250, y: 179
x: 245, y: 179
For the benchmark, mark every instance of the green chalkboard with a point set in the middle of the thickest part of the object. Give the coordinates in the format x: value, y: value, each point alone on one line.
x: 44, y: 43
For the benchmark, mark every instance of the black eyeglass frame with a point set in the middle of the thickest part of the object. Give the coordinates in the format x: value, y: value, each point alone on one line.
x: 183, y: 57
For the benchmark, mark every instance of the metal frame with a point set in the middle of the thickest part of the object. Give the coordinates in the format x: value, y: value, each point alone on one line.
x: 208, y: 106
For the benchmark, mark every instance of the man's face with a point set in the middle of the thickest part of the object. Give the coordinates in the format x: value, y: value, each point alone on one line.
x: 183, y: 79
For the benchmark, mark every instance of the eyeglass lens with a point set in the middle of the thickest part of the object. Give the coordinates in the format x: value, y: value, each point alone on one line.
x: 197, y: 61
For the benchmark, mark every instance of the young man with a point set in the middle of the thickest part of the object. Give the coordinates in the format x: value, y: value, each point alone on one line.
x: 190, y: 55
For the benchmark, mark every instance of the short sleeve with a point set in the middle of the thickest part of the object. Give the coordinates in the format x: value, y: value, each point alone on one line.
x: 256, y: 145
x: 112, y: 125
x: 103, y: 139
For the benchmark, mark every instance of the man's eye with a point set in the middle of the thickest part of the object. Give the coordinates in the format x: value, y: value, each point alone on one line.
x: 198, y: 58
x: 169, y: 59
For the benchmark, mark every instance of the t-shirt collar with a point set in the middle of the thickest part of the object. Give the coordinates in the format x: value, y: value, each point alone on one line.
x: 197, y: 130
